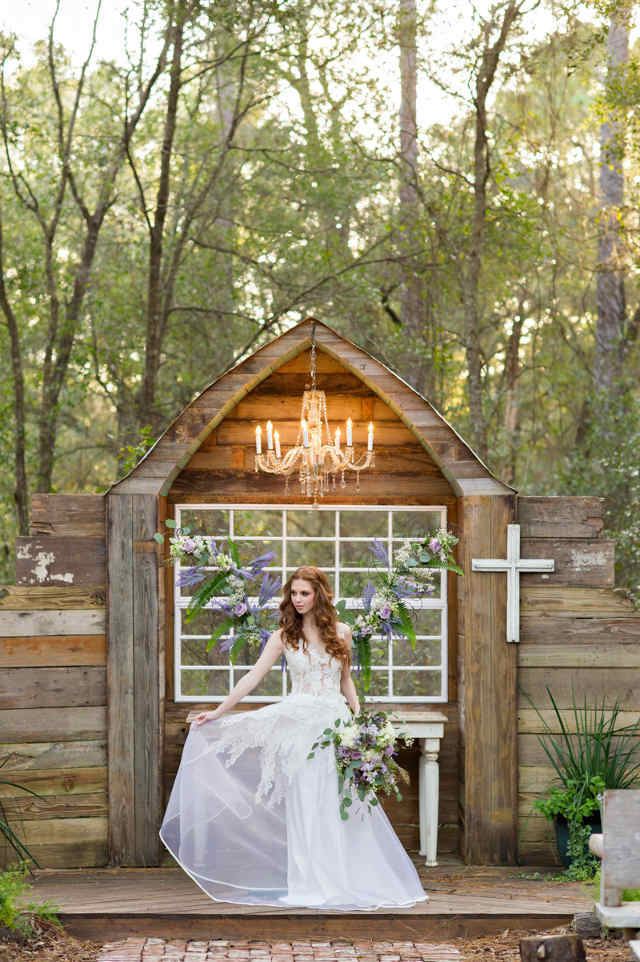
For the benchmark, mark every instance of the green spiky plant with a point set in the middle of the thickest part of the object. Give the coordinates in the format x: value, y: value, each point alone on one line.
x: 7, y: 832
x: 599, y: 754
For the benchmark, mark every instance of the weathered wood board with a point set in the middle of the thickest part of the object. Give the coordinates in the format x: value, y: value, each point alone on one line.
x: 77, y: 515
x: 52, y: 687
x: 560, y: 517
x: 29, y: 624
x: 60, y: 597
x: 577, y: 561
x: 542, y: 629
x: 40, y: 756
x: 46, y: 651
x: 489, y: 683
x: 574, y: 601
x: 62, y: 841
x: 58, y: 782
x: 55, y: 806
x: 65, y: 725
x: 589, y: 683
x: 120, y: 680
x: 52, y: 560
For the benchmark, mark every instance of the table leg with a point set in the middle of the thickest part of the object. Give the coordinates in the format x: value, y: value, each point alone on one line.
x: 429, y: 790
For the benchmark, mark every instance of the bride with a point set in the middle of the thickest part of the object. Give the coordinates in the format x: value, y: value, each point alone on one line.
x: 250, y: 818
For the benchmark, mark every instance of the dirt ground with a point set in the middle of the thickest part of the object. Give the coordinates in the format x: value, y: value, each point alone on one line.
x: 51, y: 945
x: 505, y: 947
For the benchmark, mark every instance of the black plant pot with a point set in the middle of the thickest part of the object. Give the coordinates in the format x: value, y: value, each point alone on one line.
x: 562, y: 834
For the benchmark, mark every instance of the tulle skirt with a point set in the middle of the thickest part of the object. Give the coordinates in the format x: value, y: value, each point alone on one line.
x: 252, y: 820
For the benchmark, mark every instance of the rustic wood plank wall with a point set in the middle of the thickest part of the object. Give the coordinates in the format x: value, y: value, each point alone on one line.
x: 577, y: 634
x: 222, y: 470
x: 53, y: 711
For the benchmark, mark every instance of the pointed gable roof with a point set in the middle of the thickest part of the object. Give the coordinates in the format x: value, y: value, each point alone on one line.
x: 156, y: 471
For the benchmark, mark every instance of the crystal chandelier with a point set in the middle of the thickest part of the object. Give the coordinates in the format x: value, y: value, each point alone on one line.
x: 317, y: 461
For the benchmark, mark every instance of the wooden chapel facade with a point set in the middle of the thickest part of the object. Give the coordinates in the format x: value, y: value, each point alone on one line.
x: 207, y: 455
x: 89, y: 626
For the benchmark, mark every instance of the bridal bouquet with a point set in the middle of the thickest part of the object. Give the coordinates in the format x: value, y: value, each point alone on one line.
x: 366, y: 749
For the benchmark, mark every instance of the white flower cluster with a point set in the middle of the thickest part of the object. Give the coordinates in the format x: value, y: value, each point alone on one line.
x: 349, y: 735
x: 193, y: 548
x: 236, y: 586
x: 387, y: 734
x: 404, y: 554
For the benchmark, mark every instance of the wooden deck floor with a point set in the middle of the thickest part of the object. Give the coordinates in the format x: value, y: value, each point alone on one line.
x: 164, y: 902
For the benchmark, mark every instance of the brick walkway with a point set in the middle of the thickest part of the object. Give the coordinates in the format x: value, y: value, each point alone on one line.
x: 220, y: 950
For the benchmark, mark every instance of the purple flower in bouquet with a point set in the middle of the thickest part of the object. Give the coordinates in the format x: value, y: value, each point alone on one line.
x: 188, y: 546
x: 259, y: 563
x: 385, y: 612
x: 240, y: 609
x: 379, y: 552
x: 388, y: 750
x: 367, y: 595
x: 190, y: 577
x: 434, y: 545
x: 268, y: 589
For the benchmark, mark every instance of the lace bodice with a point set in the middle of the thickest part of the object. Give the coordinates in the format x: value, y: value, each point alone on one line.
x: 313, y: 672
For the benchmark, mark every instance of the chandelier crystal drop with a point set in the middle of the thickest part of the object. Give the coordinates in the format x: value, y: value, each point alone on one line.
x: 317, y: 458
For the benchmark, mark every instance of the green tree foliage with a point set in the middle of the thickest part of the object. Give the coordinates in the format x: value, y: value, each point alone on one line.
x: 266, y: 178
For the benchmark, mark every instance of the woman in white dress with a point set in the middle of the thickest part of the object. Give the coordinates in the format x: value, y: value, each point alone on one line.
x: 251, y: 818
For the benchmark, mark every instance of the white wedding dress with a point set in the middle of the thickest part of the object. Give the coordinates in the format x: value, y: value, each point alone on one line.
x: 252, y: 820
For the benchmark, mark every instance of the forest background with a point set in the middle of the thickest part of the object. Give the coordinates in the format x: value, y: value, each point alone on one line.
x: 452, y: 186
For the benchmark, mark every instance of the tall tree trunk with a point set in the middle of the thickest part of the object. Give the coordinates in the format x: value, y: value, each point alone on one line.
x: 415, y: 311
x: 21, y: 493
x: 472, y: 296
x: 610, y: 327
x: 156, y: 315
x: 411, y: 298
x: 511, y: 407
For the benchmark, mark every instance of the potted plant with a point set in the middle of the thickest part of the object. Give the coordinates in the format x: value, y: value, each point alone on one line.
x: 588, y: 756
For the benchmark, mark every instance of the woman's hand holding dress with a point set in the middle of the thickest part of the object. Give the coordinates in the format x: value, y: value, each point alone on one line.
x: 270, y: 654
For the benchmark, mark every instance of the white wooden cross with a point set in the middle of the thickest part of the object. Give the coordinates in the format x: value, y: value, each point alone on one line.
x: 513, y: 564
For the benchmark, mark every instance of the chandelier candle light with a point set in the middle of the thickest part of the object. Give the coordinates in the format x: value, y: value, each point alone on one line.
x: 316, y: 458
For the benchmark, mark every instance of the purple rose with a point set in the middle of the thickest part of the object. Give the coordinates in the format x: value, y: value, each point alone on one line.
x: 385, y: 612
x: 388, y: 750
x: 240, y: 609
x: 434, y: 544
x: 188, y: 546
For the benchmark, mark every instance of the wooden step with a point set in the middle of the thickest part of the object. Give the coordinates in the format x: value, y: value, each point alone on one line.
x: 166, y: 903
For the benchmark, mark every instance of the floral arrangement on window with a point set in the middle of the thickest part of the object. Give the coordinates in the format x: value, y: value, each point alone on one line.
x: 218, y: 573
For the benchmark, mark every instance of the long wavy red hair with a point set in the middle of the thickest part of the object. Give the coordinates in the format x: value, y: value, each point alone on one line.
x: 290, y: 620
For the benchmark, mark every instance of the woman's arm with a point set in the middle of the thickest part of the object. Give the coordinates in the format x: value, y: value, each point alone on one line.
x: 347, y: 686
x: 272, y: 651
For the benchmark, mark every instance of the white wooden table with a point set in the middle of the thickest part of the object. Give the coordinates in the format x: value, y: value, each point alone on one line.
x: 427, y: 727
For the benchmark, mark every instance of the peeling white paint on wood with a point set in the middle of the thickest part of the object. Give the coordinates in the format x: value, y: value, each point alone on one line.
x: 40, y: 574
x: 581, y: 559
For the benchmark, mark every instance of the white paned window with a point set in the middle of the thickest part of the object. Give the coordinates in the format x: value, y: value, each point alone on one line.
x: 335, y: 539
